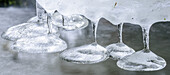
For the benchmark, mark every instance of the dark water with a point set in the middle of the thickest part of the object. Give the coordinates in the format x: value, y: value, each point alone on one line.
x: 12, y: 63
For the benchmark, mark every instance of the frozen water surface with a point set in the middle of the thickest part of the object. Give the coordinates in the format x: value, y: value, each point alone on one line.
x: 51, y: 64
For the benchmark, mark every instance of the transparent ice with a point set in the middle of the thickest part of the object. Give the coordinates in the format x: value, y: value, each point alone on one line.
x: 40, y: 44
x: 41, y: 15
x: 143, y: 12
x: 88, y: 8
x: 86, y: 54
x: 31, y: 29
x: 119, y: 50
x: 33, y: 19
x: 28, y: 30
x: 146, y: 14
x: 36, y: 36
x: 143, y: 60
x: 70, y: 22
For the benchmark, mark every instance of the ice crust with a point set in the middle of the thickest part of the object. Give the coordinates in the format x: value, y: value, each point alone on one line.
x: 142, y: 12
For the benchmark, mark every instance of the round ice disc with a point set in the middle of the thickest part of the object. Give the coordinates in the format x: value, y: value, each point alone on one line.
x: 87, y: 54
x: 41, y: 44
x: 142, y: 61
x: 119, y: 50
x: 26, y: 30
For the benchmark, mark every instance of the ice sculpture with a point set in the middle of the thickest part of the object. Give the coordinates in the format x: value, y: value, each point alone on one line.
x: 142, y: 12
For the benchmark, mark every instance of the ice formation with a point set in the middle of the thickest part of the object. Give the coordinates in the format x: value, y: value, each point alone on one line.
x: 119, y: 50
x: 28, y: 30
x: 42, y: 44
x: 116, y: 11
x: 86, y: 54
x: 141, y: 12
x: 141, y: 61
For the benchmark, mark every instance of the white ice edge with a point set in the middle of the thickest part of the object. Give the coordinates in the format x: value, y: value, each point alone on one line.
x: 141, y: 12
